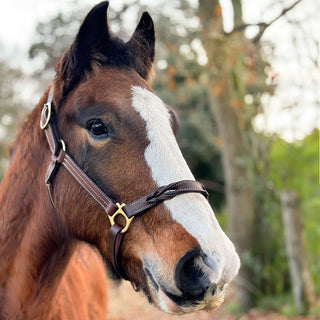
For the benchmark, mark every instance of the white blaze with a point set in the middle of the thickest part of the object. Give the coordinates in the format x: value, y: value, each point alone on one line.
x: 167, y: 165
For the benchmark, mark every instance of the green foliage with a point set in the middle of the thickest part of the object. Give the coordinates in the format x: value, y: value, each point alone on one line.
x: 267, y: 259
x: 290, y: 166
x: 296, y: 167
x: 235, y: 308
x: 283, y: 304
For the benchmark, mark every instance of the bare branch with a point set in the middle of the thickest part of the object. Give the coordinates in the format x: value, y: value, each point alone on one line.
x: 282, y: 13
x: 264, y: 25
x: 246, y: 25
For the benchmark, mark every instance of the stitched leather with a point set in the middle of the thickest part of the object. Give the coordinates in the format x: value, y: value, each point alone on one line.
x: 49, y: 130
x: 162, y: 194
x: 104, y: 201
x: 115, y: 237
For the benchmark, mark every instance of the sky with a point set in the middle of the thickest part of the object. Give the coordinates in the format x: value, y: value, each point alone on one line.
x: 294, y: 109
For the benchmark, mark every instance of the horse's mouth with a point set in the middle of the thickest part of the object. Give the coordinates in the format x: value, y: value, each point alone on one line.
x: 175, y: 304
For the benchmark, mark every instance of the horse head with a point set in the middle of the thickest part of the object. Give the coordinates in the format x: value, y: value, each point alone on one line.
x: 123, y: 137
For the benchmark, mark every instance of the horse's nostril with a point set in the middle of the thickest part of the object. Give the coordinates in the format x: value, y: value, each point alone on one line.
x: 189, y: 276
x: 213, y: 290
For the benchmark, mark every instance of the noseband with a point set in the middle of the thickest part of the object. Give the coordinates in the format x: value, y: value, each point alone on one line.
x: 60, y: 156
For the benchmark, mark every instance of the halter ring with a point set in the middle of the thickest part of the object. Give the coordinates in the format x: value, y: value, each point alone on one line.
x: 121, y: 212
x: 63, y: 145
x: 47, y: 107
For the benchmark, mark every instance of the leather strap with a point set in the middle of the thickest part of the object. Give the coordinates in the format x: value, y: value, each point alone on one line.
x: 162, y: 194
x: 61, y: 157
x: 142, y: 205
x: 115, y: 236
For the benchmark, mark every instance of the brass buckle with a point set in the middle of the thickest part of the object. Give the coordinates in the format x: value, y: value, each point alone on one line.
x: 120, y: 211
x: 47, y: 106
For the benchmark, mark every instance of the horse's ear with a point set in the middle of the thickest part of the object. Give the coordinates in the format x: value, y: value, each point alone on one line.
x: 89, y: 44
x: 141, y: 46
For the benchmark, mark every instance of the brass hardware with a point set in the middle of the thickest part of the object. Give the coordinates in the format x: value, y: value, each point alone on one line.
x: 63, y: 145
x: 48, y: 106
x: 120, y: 211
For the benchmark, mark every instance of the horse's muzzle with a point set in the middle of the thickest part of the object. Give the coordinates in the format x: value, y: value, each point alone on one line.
x: 198, y: 285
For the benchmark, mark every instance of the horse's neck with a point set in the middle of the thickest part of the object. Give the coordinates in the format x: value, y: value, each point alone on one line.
x: 34, y: 246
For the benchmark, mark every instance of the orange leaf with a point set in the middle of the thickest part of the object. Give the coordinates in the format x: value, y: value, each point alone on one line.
x: 237, y: 103
x: 218, y: 142
x: 171, y: 70
x: 172, y: 84
x: 217, y: 11
x: 218, y: 88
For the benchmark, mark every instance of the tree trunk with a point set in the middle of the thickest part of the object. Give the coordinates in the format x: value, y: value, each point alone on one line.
x: 239, y: 193
x: 225, y: 83
x: 302, y: 286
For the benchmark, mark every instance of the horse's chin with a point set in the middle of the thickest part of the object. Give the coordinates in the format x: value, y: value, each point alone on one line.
x: 168, y: 305
x: 162, y: 301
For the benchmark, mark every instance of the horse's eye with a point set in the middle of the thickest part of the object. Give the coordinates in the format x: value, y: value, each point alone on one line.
x: 97, y: 129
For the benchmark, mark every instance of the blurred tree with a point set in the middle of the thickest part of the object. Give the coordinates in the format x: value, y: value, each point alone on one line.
x: 235, y: 69
x: 236, y: 72
x: 302, y: 285
x: 288, y: 163
x: 11, y: 110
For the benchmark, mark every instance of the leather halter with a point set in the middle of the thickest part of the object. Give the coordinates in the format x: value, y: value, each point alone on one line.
x: 60, y: 156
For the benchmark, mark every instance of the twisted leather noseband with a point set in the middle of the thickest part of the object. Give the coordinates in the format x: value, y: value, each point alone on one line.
x: 60, y: 156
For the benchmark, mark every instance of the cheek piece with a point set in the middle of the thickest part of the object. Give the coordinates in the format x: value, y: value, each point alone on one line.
x: 60, y: 156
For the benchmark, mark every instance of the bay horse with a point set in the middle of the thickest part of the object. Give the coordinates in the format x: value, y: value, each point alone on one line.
x: 103, y: 178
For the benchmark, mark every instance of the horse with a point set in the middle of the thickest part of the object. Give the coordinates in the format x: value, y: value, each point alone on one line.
x: 102, y: 181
